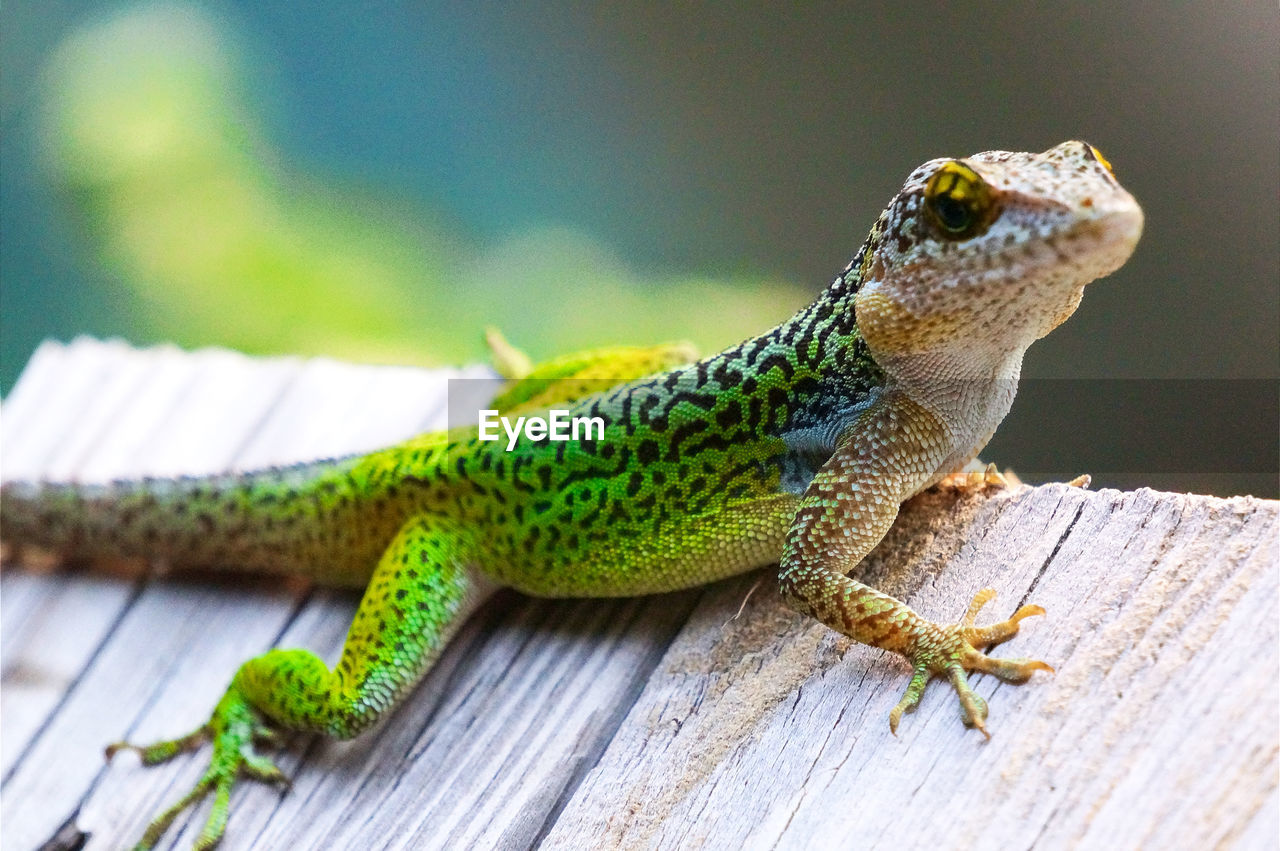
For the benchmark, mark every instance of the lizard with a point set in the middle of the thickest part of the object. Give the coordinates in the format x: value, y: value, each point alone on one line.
x: 795, y: 447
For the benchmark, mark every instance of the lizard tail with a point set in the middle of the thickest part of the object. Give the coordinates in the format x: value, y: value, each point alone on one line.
x: 277, y: 520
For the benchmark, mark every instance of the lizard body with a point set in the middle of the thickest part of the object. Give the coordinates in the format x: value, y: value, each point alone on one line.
x: 795, y: 446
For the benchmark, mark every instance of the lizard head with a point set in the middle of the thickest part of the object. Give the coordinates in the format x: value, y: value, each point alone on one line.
x: 978, y: 257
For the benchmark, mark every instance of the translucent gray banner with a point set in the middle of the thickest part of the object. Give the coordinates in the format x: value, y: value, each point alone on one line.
x: 1219, y: 436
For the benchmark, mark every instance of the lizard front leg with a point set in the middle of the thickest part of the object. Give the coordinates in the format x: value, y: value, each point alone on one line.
x: 421, y: 592
x: 847, y: 509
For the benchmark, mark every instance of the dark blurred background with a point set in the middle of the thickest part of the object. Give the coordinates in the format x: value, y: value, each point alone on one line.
x: 379, y: 181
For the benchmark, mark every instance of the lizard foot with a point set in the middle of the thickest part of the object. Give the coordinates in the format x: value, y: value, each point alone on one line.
x: 977, y: 481
x: 508, y: 361
x: 234, y: 730
x: 953, y: 649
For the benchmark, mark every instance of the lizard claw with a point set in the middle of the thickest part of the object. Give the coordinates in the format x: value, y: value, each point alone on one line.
x: 953, y: 649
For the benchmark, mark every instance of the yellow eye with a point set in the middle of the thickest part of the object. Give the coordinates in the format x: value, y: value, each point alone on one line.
x: 1097, y: 155
x: 960, y: 202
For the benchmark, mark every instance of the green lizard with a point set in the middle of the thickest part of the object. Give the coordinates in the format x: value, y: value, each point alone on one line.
x: 796, y: 446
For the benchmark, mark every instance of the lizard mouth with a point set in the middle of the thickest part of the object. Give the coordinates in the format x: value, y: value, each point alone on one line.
x: 1124, y: 220
x: 1102, y: 242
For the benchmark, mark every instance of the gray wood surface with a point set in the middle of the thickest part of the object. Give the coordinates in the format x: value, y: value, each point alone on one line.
x: 669, y: 722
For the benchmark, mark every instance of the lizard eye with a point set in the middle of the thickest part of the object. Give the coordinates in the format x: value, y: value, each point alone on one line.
x: 960, y: 202
x: 1097, y: 155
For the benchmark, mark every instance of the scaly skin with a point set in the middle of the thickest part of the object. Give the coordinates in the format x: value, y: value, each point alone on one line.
x: 797, y: 445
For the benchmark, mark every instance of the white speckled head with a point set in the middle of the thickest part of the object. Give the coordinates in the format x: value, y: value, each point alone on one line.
x: 977, y: 257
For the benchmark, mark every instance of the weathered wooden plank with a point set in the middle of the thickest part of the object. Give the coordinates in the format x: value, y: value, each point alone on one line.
x: 45, y: 408
x: 41, y: 657
x: 1159, y: 729
x: 324, y: 413
x: 19, y: 601
x: 326, y: 400
x: 57, y: 767
x: 220, y: 405
x: 96, y: 442
x: 28, y: 394
x: 64, y: 621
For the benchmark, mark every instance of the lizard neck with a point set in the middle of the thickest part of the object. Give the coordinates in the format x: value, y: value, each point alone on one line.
x: 961, y: 391
x: 960, y: 371
x: 970, y: 404
x: 958, y: 364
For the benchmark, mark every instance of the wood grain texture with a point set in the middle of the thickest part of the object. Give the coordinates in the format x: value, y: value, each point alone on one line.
x: 660, y: 722
x: 1159, y: 728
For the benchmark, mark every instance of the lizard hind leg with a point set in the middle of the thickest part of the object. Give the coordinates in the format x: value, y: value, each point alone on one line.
x: 424, y: 587
x: 565, y: 379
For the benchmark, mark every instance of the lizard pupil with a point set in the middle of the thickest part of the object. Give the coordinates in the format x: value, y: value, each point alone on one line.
x: 953, y: 214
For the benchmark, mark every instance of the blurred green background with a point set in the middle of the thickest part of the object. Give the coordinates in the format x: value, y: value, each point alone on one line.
x: 379, y: 181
